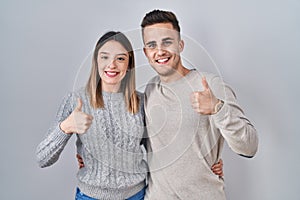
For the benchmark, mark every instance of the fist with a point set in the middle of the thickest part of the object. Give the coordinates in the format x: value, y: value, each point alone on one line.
x: 80, y: 161
x: 217, y: 168
x: 204, y: 102
x: 78, y: 121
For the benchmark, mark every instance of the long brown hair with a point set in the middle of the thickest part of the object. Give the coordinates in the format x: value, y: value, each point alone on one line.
x: 93, y: 86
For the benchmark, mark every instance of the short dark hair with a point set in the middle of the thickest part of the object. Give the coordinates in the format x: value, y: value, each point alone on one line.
x: 160, y: 16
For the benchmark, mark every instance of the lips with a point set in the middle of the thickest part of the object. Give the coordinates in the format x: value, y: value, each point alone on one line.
x: 111, y: 74
x: 162, y: 60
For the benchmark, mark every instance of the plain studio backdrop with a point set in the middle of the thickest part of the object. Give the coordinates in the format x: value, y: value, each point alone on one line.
x: 254, y: 44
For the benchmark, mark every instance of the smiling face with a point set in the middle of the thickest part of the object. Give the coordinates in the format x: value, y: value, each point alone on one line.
x: 162, y: 46
x: 113, y: 60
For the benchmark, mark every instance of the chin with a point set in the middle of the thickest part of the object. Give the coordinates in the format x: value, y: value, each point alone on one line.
x: 164, y: 70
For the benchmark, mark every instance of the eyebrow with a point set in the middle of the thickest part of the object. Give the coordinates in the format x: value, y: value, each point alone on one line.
x: 119, y: 54
x: 151, y: 42
x: 168, y: 38
x: 164, y: 39
x: 103, y: 52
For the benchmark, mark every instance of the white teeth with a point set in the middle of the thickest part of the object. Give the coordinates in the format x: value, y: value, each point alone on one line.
x: 111, y: 73
x: 162, y: 60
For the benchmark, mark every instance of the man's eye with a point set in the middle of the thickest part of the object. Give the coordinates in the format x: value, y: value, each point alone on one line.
x: 167, y: 43
x: 151, y: 46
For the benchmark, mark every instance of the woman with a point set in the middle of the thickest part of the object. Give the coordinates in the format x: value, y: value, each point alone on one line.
x: 108, y: 120
x: 107, y: 117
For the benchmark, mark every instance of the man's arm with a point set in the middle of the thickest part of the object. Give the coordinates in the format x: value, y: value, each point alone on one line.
x: 218, y: 100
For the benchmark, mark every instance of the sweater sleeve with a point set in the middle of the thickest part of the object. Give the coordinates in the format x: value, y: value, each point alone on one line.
x: 49, y: 150
x: 234, y: 126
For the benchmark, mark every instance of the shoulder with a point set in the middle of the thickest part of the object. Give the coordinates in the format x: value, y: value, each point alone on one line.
x: 219, y: 87
x: 152, y: 83
x: 199, y: 74
x: 141, y: 97
x: 153, y: 80
x: 214, y: 81
x: 211, y: 78
x: 81, y: 92
x: 72, y: 96
x: 140, y: 94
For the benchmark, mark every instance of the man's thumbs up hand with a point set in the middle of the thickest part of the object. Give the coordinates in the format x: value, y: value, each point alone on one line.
x: 204, y: 102
x: 78, y: 121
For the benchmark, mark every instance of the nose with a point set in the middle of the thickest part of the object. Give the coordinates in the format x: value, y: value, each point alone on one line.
x: 112, y: 64
x: 161, y: 50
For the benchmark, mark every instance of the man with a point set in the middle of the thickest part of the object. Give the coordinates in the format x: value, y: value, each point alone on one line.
x: 189, y: 114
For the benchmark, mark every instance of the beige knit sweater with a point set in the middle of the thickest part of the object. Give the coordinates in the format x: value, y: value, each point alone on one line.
x: 183, y: 145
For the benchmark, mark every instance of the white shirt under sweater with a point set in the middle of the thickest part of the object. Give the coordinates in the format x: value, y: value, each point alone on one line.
x: 112, y: 154
x: 186, y: 144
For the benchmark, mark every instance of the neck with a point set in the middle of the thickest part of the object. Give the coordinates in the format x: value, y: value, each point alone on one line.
x: 180, y: 72
x: 111, y: 88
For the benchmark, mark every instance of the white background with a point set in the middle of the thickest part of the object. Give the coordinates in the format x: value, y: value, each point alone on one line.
x: 255, y: 45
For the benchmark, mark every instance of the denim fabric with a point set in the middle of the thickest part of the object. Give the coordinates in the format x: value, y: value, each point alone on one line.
x: 81, y: 196
x: 138, y: 196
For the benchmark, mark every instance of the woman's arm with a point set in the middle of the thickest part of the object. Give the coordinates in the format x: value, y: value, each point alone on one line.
x: 49, y: 150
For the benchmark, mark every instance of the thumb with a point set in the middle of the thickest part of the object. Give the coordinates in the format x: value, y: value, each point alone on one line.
x: 204, y: 83
x: 79, y: 105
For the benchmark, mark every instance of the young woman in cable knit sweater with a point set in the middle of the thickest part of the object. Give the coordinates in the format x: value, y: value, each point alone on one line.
x: 108, y: 120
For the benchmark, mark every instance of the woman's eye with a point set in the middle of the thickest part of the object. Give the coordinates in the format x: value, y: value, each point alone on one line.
x: 120, y: 58
x: 104, y: 57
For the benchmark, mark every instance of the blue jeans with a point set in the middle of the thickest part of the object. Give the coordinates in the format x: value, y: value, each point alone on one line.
x: 81, y: 196
x: 138, y: 196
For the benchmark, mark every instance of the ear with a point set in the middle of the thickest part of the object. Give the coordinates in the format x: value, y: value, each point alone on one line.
x: 145, y: 51
x: 181, y: 45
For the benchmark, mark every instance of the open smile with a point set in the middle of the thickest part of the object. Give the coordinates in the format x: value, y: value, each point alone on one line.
x: 162, y: 60
x: 111, y: 74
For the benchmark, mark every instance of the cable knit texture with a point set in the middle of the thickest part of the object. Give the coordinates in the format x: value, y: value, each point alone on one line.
x: 111, y: 150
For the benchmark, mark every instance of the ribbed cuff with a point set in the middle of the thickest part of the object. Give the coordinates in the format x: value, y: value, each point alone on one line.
x: 59, y: 136
x: 221, y: 114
